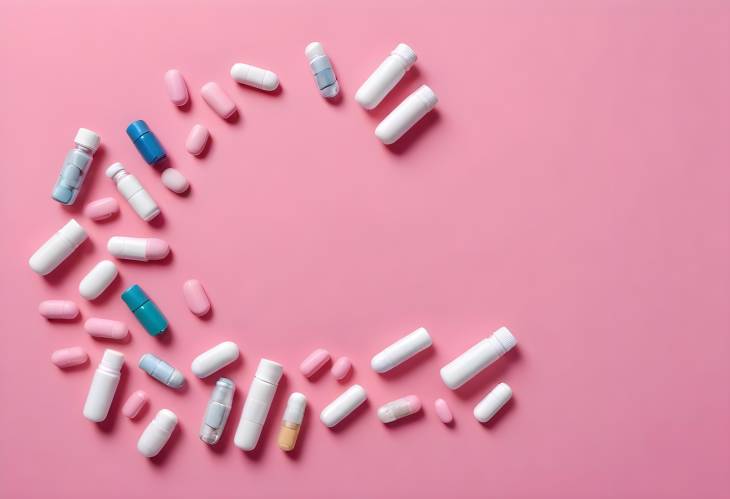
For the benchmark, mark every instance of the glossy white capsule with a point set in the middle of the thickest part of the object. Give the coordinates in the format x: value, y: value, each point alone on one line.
x: 386, y: 76
x: 401, y: 350
x: 408, y: 113
x: 98, y: 279
x: 142, y: 249
x: 398, y: 409
x: 492, y: 403
x: 470, y: 363
x: 343, y: 406
x: 157, y: 433
x: 214, y: 359
x: 252, y: 76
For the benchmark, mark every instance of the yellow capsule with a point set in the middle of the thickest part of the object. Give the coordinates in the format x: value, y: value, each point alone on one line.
x: 292, y: 421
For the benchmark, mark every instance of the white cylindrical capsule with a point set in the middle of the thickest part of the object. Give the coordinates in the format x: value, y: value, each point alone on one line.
x: 322, y: 70
x: 292, y: 421
x: 256, y: 408
x: 400, y: 408
x: 98, y: 279
x: 142, y: 249
x: 214, y: 359
x: 161, y: 371
x: 493, y: 402
x: 402, y: 118
x: 103, y: 386
x: 157, y: 433
x: 129, y: 187
x: 470, y: 363
x: 401, y: 350
x: 386, y: 76
x: 216, y: 414
x: 343, y: 406
x: 252, y: 76
x: 57, y: 248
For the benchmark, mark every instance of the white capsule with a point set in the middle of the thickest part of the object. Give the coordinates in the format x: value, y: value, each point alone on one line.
x: 386, y: 76
x: 493, y: 402
x: 98, y: 279
x: 398, y: 409
x: 470, y: 363
x: 252, y: 76
x: 401, y: 350
x: 57, y: 248
x: 402, y: 118
x: 258, y: 402
x: 157, y: 433
x: 343, y: 405
x: 141, y: 249
x: 214, y: 359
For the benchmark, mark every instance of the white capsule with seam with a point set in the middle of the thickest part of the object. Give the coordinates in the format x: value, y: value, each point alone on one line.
x: 253, y: 76
x: 470, y: 363
x: 401, y: 350
x: 103, y: 386
x: 98, y: 279
x: 57, y: 248
x: 214, y: 359
x: 129, y: 187
x: 493, y: 402
x: 408, y: 113
x: 343, y: 406
x: 256, y: 408
x: 386, y: 76
x: 157, y: 433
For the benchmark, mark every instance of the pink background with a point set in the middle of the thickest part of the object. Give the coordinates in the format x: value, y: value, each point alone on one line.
x: 572, y: 185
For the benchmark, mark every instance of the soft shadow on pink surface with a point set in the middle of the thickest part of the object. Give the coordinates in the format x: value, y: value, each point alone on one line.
x: 353, y: 418
x: 421, y: 358
x: 483, y: 382
x: 503, y: 413
x: 424, y: 127
x: 168, y: 450
x: 60, y: 274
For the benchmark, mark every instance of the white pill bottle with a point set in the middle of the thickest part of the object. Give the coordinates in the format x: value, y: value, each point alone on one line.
x: 103, y: 386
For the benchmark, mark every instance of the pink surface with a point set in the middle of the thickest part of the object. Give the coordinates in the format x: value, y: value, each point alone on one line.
x: 573, y: 185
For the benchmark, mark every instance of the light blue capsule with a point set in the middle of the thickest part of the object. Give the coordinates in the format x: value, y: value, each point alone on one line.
x: 75, y: 166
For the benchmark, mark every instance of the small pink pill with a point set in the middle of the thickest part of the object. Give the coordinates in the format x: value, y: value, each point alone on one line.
x: 218, y: 100
x: 69, y: 357
x: 58, y: 309
x: 134, y: 404
x: 106, y: 328
x: 197, y: 138
x: 177, y: 90
x: 443, y: 411
x: 195, y: 297
x: 341, y: 368
x: 101, y: 209
x: 314, y: 362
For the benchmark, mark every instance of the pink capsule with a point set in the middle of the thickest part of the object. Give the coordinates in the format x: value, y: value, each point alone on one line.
x: 177, y: 90
x: 443, y: 411
x: 197, y: 138
x: 218, y: 100
x: 106, y: 328
x: 58, y: 309
x: 314, y: 362
x: 101, y: 209
x: 134, y: 404
x: 195, y: 297
x: 69, y: 357
x: 341, y: 368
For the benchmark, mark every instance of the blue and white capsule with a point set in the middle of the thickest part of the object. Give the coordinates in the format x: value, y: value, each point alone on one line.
x: 322, y: 70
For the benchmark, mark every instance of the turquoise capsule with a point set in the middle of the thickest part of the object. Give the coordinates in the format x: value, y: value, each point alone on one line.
x: 145, y: 310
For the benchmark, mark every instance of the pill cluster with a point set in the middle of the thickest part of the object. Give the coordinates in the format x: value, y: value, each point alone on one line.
x: 263, y: 387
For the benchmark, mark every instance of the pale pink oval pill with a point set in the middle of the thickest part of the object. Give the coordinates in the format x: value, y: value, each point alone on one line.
x: 443, y: 411
x: 218, y: 100
x: 134, y: 404
x: 341, y: 368
x: 175, y: 181
x: 106, y: 328
x: 177, y: 90
x: 197, y: 138
x: 58, y: 309
x: 101, y: 208
x: 314, y: 362
x: 69, y: 357
x: 196, y: 298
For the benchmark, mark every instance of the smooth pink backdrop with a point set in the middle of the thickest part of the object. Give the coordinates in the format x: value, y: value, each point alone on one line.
x: 572, y: 185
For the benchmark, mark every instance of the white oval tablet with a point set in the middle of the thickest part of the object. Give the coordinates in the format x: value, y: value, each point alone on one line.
x: 401, y: 350
x: 175, y: 181
x: 214, y: 359
x: 98, y: 279
x: 343, y: 405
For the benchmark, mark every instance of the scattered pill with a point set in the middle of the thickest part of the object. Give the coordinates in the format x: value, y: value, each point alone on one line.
x: 146, y: 142
x: 177, y: 90
x: 157, y: 433
x: 493, y: 402
x: 398, y: 409
x: 106, y: 328
x: 98, y: 279
x: 129, y: 187
x: 134, y: 404
x: 261, y: 392
x: 174, y: 180
x: 343, y: 406
x: 314, y: 362
x: 101, y: 209
x: 161, y: 371
x: 443, y: 411
x: 218, y: 100
x: 103, y: 386
x: 197, y: 139
x: 217, y: 412
x: 57, y: 248
x: 291, y: 423
x: 322, y: 70
x: 196, y: 297
x: 386, y: 76
x: 58, y: 309
x: 341, y: 368
x: 402, y: 118
x: 69, y: 357
x: 75, y: 166
x: 252, y: 76
x: 214, y: 359
x: 145, y: 310
x: 401, y: 350
x: 138, y: 248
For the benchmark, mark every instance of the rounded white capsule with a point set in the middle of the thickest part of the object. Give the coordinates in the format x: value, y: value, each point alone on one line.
x: 473, y: 361
x: 408, y: 113
x: 57, y: 248
x: 398, y: 409
x: 98, y: 279
x: 252, y: 76
x: 493, y: 402
x: 157, y: 433
x: 343, y: 406
x: 214, y: 359
x: 142, y: 249
x: 401, y: 350
x: 386, y: 76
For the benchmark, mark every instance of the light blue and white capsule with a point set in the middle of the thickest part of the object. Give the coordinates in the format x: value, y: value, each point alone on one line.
x: 322, y: 70
x: 161, y: 371
x: 75, y: 166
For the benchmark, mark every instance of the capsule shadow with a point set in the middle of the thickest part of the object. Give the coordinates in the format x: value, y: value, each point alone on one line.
x: 161, y: 458
x: 410, y: 364
x: 404, y: 144
x: 480, y: 384
x: 502, y: 413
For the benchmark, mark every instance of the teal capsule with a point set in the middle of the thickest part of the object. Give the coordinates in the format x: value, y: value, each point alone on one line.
x: 145, y: 310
